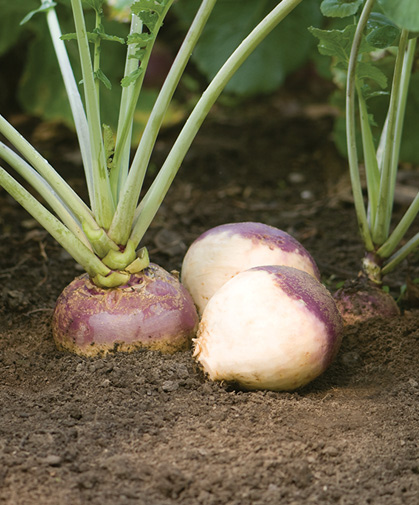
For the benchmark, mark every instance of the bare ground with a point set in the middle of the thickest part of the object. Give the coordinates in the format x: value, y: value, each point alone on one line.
x: 146, y: 428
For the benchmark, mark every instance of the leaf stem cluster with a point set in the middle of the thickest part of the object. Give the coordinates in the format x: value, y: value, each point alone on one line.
x: 382, y: 243
x: 104, y: 236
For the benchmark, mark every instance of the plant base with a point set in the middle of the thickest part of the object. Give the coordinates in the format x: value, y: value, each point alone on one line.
x: 153, y: 311
x: 360, y: 300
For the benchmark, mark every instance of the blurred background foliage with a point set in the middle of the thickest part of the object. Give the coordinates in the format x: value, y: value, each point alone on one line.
x: 33, y: 80
x: 382, y: 35
x: 30, y: 79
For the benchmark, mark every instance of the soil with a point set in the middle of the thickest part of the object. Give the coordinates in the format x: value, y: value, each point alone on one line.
x: 148, y: 428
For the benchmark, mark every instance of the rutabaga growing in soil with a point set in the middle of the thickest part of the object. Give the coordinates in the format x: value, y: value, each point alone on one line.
x: 222, y: 252
x: 375, y: 32
x: 88, y: 319
x: 270, y: 327
x: 123, y: 302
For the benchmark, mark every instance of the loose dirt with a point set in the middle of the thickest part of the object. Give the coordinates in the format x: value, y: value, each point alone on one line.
x: 151, y: 429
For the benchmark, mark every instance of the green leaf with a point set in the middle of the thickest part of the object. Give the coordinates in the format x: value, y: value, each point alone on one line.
x: 132, y: 77
x: 69, y: 36
x: 100, y: 31
x: 149, y: 5
x: 103, y: 79
x: 368, y: 92
x: 404, y: 13
x: 149, y: 11
x: 46, y: 6
x: 112, y: 38
x: 283, y: 51
x: 93, y: 37
x: 95, y: 4
x: 377, y: 106
x: 381, y: 32
x: 138, y: 55
x: 340, y: 8
x: 335, y: 43
x: 41, y: 91
x: 365, y: 70
x: 142, y: 39
x: 338, y: 43
x: 150, y: 19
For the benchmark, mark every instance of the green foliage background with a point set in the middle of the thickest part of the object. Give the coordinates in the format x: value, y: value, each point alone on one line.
x: 288, y: 47
x: 382, y: 33
x: 284, y: 50
x: 41, y: 92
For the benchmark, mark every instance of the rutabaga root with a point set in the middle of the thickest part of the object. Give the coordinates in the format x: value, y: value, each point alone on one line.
x: 153, y: 311
x: 270, y: 327
x: 361, y: 300
x: 222, y: 252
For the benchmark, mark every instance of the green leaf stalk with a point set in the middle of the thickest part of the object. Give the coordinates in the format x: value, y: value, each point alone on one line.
x: 382, y: 237
x: 104, y: 236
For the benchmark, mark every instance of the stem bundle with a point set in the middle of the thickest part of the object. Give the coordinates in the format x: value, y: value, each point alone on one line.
x: 103, y: 238
x: 381, y: 165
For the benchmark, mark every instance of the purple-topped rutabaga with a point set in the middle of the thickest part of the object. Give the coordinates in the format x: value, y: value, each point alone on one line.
x: 296, y: 285
x: 258, y: 233
x: 270, y: 327
x: 152, y: 311
x: 222, y: 252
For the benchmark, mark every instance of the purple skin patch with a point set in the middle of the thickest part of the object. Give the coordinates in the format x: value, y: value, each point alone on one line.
x: 153, y: 311
x: 263, y: 234
x: 299, y: 285
x: 360, y: 301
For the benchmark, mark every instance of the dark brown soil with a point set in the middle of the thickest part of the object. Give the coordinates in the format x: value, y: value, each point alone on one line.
x: 150, y: 429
